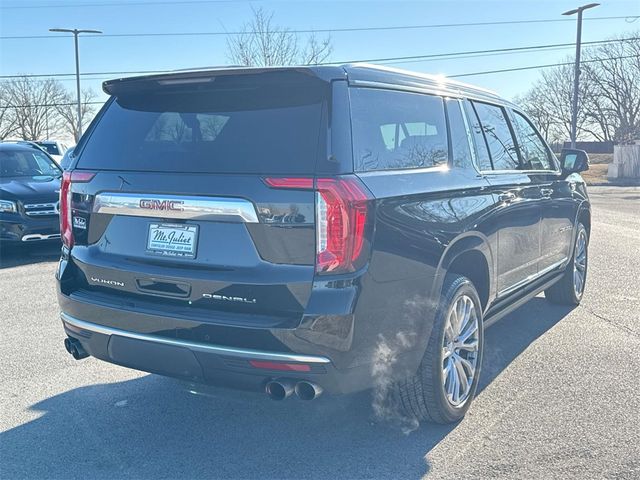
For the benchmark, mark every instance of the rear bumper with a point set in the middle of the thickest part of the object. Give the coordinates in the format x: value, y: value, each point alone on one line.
x: 207, y: 363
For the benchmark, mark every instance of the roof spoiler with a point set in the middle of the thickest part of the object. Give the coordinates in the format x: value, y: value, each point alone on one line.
x: 201, y: 76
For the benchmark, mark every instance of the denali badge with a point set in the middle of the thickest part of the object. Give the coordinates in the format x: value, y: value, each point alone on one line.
x: 161, y: 204
x: 225, y: 298
x: 113, y: 283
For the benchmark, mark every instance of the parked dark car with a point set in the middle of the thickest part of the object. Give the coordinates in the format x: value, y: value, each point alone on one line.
x: 29, y: 194
x: 307, y: 228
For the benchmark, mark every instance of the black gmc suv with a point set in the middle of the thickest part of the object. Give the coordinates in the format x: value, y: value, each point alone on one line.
x: 289, y: 229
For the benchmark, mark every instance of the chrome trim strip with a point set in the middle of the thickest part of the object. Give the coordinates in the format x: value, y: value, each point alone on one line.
x: 531, y: 278
x: 41, y: 209
x: 32, y: 237
x: 182, y: 207
x: 196, y: 346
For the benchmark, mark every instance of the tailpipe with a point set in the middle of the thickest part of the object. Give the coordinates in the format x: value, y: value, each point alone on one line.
x: 307, y: 390
x: 74, y: 347
x: 279, y: 389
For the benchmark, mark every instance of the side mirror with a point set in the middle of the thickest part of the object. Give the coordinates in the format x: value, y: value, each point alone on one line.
x: 573, y: 161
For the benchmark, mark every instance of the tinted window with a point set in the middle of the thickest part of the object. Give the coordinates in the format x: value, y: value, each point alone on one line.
x: 19, y: 163
x: 238, y: 125
x: 534, y: 152
x: 397, y: 130
x: 460, y: 149
x: 51, y: 148
x: 498, y: 135
x: 482, y: 152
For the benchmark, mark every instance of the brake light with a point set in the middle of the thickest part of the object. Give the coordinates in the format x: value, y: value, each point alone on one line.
x: 342, y: 212
x: 66, y: 214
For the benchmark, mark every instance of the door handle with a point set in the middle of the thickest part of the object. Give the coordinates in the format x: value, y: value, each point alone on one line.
x: 507, y: 197
x: 546, y: 192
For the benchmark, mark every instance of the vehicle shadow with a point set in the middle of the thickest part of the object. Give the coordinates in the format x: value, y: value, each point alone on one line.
x: 17, y: 255
x: 154, y: 427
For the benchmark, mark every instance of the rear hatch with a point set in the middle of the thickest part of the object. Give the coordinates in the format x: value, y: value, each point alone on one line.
x: 171, y: 206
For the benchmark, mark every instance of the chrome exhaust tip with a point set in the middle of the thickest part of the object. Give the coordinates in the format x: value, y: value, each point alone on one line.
x: 74, y: 347
x: 307, y: 390
x: 279, y: 389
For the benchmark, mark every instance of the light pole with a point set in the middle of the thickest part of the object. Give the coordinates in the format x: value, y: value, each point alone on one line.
x: 76, y: 32
x: 576, y: 78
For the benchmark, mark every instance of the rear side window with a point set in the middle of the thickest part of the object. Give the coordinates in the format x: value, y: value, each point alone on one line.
x: 241, y: 124
x: 533, y: 151
x: 397, y: 130
x: 497, y: 133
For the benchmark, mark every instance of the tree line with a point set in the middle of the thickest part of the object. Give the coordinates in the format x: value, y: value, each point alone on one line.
x: 609, y: 95
x: 36, y: 109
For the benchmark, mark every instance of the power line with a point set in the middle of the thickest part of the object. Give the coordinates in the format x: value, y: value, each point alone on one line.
x: 411, y: 58
x: 50, y: 105
x: 486, y: 72
x: 119, y: 4
x: 327, y: 30
x: 532, y: 67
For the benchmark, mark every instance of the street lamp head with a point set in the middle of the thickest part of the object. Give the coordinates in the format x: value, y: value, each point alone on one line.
x: 75, y: 31
x: 580, y: 9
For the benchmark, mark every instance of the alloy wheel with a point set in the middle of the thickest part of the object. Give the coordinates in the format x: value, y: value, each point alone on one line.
x: 580, y: 263
x: 460, y: 348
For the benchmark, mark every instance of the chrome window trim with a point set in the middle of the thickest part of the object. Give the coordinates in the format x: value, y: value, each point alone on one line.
x: 76, y: 324
x: 190, y: 207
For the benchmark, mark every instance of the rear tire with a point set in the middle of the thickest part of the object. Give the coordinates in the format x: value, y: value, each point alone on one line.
x: 570, y: 288
x: 432, y: 394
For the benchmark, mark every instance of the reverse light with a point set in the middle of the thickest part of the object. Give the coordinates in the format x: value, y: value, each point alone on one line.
x: 66, y: 213
x: 342, y: 211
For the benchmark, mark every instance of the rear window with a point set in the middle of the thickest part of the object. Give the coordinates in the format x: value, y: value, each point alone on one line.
x: 236, y: 125
x: 51, y: 148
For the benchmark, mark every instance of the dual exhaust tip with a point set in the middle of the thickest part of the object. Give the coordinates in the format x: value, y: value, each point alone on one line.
x: 75, y: 348
x: 281, y: 388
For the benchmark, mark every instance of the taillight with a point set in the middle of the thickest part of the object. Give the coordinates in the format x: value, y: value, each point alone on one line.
x: 66, y: 214
x: 342, y: 212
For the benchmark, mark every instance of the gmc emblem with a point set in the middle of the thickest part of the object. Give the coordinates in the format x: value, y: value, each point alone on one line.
x: 161, y: 204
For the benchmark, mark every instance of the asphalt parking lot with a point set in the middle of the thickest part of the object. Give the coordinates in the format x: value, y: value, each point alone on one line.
x: 558, y: 399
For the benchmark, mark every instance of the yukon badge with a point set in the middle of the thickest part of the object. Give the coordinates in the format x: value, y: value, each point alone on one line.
x: 113, y: 283
x: 225, y: 298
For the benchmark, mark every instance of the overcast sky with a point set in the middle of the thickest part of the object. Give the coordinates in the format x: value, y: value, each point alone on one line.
x: 116, y: 54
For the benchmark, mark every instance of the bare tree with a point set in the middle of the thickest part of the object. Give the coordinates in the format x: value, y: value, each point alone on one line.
x: 262, y: 43
x: 68, y: 112
x: 33, y: 106
x: 615, y: 73
x: 7, y: 117
x: 609, y: 107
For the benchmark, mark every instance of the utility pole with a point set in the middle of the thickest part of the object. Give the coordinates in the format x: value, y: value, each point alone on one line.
x: 576, y: 78
x: 75, y: 33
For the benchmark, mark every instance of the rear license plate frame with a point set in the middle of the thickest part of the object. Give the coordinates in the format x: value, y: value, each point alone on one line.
x: 157, y: 244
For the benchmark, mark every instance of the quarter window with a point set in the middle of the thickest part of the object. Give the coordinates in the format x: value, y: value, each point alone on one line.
x: 495, y: 127
x: 482, y: 152
x: 395, y: 130
x: 460, y: 149
x: 533, y: 151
